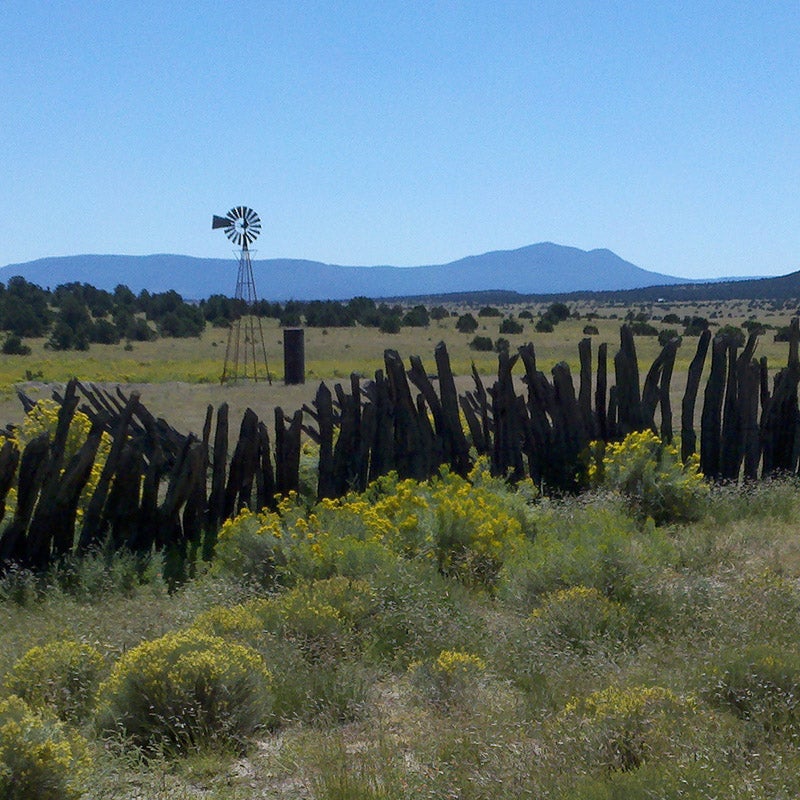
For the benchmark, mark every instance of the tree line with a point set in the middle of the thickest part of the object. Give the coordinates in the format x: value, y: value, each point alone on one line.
x: 73, y: 316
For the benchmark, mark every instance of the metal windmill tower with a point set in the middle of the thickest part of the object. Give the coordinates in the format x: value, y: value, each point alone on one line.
x: 245, y: 350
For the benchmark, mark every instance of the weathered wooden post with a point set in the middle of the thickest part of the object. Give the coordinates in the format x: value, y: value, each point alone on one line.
x: 265, y: 477
x: 287, y: 451
x: 600, y: 393
x: 215, y: 506
x: 585, y: 387
x: 242, y: 471
x: 412, y: 456
x: 92, y: 530
x: 711, y: 419
x: 379, y: 413
x: 539, y: 434
x: 508, y: 430
x: 323, y: 414
x: 688, y: 435
x: 780, y: 423
x: 346, y: 468
x: 629, y: 399
x: 458, y: 447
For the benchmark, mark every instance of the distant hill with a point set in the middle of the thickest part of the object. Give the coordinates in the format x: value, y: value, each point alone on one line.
x: 781, y: 287
x: 543, y: 268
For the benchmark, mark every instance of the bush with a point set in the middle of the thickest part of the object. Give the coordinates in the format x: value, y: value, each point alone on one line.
x: 13, y: 346
x: 590, y: 330
x: 579, y: 618
x: 558, y: 312
x: 186, y: 690
x: 448, y: 681
x: 389, y: 323
x: 61, y: 676
x: 621, y: 728
x: 545, y: 325
x: 417, y: 317
x: 490, y: 311
x: 760, y: 684
x: 314, y: 626
x: 511, y: 326
x: 38, y: 759
x: 595, y: 544
x: 418, y: 613
x: 310, y: 632
x: 652, y: 478
x: 732, y: 335
x: 751, y: 325
x: 640, y: 328
x: 694, y: 326
x: 104, y: 332
x: 466, y: 323
x: 481, y: 343
x: 250, y: 547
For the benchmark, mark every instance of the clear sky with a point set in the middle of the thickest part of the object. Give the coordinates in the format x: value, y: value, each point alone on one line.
x: 405, y: 133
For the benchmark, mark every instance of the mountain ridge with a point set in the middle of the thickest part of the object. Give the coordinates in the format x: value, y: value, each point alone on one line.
x: 542, y: 268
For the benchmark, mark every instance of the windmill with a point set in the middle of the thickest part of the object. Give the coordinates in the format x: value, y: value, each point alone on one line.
x: 245, y: 336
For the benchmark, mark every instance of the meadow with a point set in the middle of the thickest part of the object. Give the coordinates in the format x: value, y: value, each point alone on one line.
x: 449, y: 638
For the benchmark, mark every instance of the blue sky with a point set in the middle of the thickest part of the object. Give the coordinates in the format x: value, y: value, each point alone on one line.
x: 405, y: 133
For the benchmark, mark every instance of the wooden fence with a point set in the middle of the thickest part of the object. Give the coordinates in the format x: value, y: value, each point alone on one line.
x: 162, y: 490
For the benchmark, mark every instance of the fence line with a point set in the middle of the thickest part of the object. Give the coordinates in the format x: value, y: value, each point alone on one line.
x: 162, y: 490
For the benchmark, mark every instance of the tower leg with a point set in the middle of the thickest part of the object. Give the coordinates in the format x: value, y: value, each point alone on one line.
x: 245, y: 351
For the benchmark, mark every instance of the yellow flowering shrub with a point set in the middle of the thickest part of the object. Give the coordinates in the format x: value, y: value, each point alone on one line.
x: 312, y: 633
x: 651, y: 476
x: 39, y: 760
x: 251, y: 547
x: 316, y: 627
x: 467, y: 527
x: 241, y: 623
x: 319, y: 617
x: 620, y: 728
x: 448, y: 681
x: 186, y: 690
x: 354, y: 600
x: 580, y: 617
x: 62, y: 676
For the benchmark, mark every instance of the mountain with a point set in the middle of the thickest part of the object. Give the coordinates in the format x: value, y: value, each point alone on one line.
x: 543, y: 268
